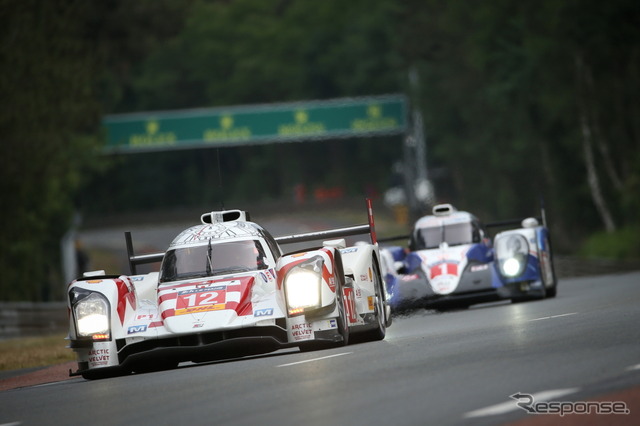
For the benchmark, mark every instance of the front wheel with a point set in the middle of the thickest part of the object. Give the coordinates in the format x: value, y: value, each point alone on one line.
x: 548, y: 272
x: 343, y: 318
x: 155, y: 365
x: 101, y: 373
x: 380, y: 330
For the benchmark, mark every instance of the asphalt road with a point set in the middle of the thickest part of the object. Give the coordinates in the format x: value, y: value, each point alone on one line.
x: 456, y: 367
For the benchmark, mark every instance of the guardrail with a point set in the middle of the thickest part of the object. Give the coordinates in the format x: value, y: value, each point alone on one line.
x: 21, y: 319
x: 571, y: 267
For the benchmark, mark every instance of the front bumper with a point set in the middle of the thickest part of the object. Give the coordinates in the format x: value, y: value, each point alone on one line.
x: 197, y: 347
x: 522, y: 290
x: 473, y: 287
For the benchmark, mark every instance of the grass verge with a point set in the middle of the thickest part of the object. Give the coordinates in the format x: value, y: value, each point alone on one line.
x: 31, y: 352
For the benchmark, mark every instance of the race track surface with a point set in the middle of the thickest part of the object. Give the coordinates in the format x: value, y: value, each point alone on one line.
x: 458, y: 367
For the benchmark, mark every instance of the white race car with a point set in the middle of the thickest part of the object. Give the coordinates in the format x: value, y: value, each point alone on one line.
x: 224, y: 289
x: 452, y: 262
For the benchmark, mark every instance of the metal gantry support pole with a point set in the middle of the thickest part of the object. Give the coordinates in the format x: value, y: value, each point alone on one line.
x: 418, y: 188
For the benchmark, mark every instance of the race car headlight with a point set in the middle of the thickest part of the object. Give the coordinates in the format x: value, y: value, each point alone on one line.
x: 511, y: 267
x: 92, y: 317
x: 302, y: 286
x: 511, y: 252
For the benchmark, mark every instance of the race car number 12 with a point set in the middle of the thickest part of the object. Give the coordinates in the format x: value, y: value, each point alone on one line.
x: 198, y: 299
x: 200, y: 302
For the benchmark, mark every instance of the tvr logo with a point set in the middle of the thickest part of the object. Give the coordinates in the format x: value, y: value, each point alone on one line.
x: 263, y: 312
x: 136, y: 329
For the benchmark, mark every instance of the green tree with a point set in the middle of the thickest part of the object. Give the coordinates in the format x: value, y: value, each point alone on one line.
x: 511, y: 90
x: 247, y: 52
x: 48, y: 120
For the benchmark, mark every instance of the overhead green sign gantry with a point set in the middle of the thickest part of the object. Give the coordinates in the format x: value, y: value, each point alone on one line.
x: 256, y: 124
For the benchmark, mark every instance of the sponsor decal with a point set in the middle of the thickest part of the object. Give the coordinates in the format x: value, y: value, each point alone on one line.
x: 264, y: 276
x: 477, y: 268
x: 350, y: 304
x: 198, y: 324
x: 370, y: 302
x: 137, y: 329
x: 271, y: 274
x: 93, y: 281
x: 409, y: 277
x: 138, y: 278
x: 99, y: 357
x: 332, y: 284
x: 201, y: 300
x: 363, y: 277
x: 333, y: 323
x: 206, y: 286
x: 444, y: 284
x: 150, y: 316
x: 349, y: 250
x: 263, y: 312
x: 201, y: 290
x: 301, y: 331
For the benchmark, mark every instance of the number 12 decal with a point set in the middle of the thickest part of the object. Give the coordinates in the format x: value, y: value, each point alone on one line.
x: 200, y: 300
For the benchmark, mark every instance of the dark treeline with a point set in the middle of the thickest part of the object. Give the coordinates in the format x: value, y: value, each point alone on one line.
x: 520, y: 100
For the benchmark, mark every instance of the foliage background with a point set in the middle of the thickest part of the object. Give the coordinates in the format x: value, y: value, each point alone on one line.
x: 521, y: 100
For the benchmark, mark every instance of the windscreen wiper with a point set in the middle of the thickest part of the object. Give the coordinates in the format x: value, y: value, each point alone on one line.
x: 209, y: 258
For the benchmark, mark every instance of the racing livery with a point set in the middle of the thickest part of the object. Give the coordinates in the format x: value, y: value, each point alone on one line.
x: 451, y: 261
x: 225, y: 289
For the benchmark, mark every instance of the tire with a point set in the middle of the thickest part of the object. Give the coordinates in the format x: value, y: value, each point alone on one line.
x: 380, y: 331
x: 99, y: 373
x: 551, y: 290
x: 343, y: 320
x: 155, y: 365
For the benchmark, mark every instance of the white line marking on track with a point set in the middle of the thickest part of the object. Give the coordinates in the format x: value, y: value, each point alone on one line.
x: 553, y: 316
x: 314, y: 359
x: 45, y: 384
x: 511, y: 405
x: 634, y: 367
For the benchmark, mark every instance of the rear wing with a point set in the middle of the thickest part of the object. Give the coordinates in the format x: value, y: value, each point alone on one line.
x: 502, y: 223
x: 394, y: 238
x: 511, y: 222
x: 141, y: 258
x: 367, y: 228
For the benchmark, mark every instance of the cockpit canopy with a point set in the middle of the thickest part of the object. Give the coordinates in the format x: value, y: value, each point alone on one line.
x: 214, y: 259
x: 452, y: 233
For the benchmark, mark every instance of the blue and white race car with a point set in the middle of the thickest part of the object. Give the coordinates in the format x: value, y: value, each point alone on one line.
x: 451, y: 262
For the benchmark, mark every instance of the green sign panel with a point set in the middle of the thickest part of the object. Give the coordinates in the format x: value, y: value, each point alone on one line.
x: 247, y: 125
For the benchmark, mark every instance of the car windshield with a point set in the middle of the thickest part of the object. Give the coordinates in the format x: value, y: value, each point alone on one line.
x: 453, y: 234
x: 212, y: 259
